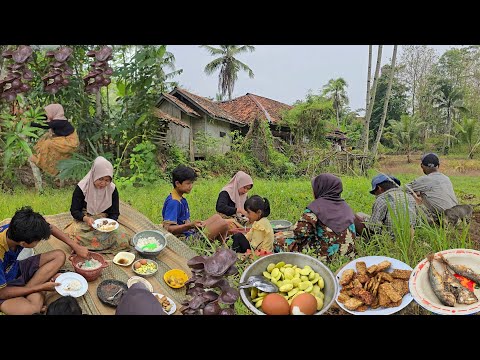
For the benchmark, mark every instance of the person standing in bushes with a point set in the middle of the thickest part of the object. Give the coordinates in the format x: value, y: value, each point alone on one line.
x: 326, y: 225
x: 231, y: 200
x: 23, y: 282
x: 176, y: 213
x: 96, y: 196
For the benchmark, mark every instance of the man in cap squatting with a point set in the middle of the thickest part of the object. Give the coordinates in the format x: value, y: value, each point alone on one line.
x: 435, y: 188
x: 389, y: 197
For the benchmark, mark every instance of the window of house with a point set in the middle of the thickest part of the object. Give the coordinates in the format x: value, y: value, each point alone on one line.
x: 222, y: 134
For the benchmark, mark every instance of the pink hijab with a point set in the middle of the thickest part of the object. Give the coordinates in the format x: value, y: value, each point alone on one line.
x: 55, y: 112
x: 98, y: 200
x: 240, y: 180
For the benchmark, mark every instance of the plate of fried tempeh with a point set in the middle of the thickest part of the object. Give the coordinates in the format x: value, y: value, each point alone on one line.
x: 451, y: 286
x: 374, y: 285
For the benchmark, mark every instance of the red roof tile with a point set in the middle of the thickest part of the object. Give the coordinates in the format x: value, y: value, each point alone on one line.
x: 212, y: 108
x: 163, y: 115
x: 251, y: 106
x: 180, y: 104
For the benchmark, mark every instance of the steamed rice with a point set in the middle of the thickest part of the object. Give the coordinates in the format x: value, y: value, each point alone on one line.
x: 90, y: 264
x: 148, y: 240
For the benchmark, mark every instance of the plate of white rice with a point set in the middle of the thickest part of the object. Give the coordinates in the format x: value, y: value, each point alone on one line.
x: 71, y: 284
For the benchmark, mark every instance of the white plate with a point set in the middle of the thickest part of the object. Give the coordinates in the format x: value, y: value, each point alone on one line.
x: 65, y: 279
x: 99, y: 222
x: 174, y: 306
x: 135, y: 279
x: 369, y: 261
x: 422, y: 290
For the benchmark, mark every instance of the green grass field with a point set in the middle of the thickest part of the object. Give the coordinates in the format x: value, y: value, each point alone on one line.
x: 288, y: 198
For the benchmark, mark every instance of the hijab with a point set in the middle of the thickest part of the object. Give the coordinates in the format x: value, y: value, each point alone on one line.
x: 55, y: 112
x: 240, y: 180
x: 329, y: 207
x: 139, y: 301
x: 98, y: 200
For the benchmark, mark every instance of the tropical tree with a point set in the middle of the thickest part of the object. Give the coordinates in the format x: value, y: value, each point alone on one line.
x: 371, y: 100
x: 228, y: 65
x: 385, y: 105
x: 335, y: 90
x: 449, y: 100
x: 405, y: 133
x: 417, y: 63
x: 310, y: 119
x: 466, y: 132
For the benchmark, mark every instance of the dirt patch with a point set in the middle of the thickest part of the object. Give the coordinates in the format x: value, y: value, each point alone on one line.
x: 457, y: 166
x: 475, y: 229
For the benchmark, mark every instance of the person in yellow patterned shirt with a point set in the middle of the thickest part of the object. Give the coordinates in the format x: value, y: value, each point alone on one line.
x: 260, y: 236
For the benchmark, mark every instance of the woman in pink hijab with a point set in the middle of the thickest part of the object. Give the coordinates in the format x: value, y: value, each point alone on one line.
x: 233, y: 196
x: 95, y: 197
x: 59, y: 143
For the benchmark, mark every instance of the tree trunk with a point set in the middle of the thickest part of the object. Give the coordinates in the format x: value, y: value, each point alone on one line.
x: 385, y: 104
x: 338, y: 117
x: 37, y: 176
x: 369, y: 76
x: 98, y: 113
x: 446, y: 143
x: 371, y: 101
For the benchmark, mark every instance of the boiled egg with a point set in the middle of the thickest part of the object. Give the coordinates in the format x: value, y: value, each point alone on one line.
x: 275, y: 304
x: 303, y: 304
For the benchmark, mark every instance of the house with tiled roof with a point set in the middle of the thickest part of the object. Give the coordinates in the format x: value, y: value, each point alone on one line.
x: 190, y: 115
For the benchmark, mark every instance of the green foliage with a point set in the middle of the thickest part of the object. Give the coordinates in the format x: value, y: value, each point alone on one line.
x: 309, y: 120
x: 397, y: 103
x: 466, y: 132
x: 405, y: 133
x: 16, y: 132
x: 206, y: 143
x: 142, y: 165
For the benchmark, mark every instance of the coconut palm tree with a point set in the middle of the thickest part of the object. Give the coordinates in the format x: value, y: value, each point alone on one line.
x: 335, y: 90
x: 405, y: 133
x: 228, y: 65
x: 450, y: 100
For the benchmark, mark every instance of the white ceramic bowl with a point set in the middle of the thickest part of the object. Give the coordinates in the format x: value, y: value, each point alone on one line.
x: 135, y: 279
x: 124, y: 258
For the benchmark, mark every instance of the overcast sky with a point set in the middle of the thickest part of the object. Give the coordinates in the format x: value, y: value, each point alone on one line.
x: 286, y: 72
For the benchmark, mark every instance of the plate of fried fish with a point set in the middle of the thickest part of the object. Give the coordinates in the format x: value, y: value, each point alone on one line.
x: 374, y: 285
x: 448, y: 282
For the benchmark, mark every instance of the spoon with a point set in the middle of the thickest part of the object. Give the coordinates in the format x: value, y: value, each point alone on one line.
x: 113, y: 296
x: 150, y: 246
x: 260, y: 282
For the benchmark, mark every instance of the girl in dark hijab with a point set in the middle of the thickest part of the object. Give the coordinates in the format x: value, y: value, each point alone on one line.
x: 327, y: 224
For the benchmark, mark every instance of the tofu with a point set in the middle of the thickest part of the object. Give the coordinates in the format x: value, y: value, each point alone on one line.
x: 347, y: 276
x: 361, y: 267
x: 401, y: 274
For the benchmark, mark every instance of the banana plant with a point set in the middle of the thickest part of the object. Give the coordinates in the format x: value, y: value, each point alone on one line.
x: 15, y: 135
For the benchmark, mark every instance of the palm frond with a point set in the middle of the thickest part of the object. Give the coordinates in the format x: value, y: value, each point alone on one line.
x: 245, y: 68
x: 213, y: 50
x: 213, y: 66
